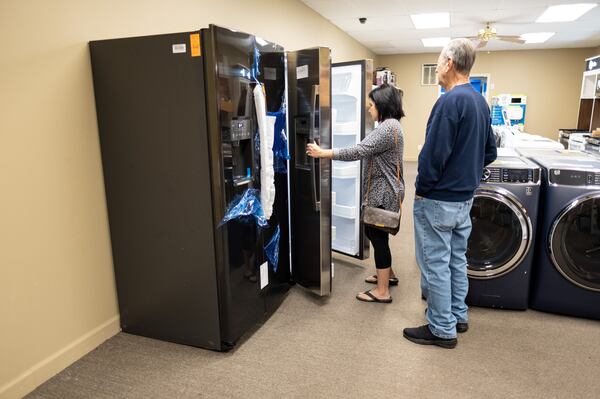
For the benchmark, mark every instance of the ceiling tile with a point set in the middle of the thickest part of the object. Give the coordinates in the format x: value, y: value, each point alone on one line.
x: 389, y: 29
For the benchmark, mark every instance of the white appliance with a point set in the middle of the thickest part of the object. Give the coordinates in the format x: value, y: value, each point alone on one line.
x: 511, y: 137
x: 578, y: 141
x: 350, y: 85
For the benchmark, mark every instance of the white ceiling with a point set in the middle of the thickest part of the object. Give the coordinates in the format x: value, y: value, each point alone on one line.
x: 389, y: 29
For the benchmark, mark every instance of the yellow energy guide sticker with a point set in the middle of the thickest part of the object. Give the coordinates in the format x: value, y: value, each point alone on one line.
x: 195, y: 45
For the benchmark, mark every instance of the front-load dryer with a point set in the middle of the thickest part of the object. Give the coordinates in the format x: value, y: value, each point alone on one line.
x: 500, y: 248
x: 566, y: 275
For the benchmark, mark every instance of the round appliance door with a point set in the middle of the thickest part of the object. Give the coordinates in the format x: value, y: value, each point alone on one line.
x: 501, y: 234
x: 574, y: 242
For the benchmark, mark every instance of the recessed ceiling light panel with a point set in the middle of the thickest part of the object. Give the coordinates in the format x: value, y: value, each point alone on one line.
x: 538, y: 37
x: 431, y: 21
x: 565, y: 12
x: 435, y: 41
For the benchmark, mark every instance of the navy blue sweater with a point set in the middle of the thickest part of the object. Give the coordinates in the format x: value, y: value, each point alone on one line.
x: 459, y: 142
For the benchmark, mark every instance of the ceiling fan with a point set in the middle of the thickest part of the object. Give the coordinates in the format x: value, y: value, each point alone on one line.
x: 487, y: 34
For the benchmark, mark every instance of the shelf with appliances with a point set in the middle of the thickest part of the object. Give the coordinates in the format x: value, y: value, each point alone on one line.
x: 589, y: 103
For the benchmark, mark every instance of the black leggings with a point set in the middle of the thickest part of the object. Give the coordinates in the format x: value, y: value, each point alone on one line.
x: 379, y: 239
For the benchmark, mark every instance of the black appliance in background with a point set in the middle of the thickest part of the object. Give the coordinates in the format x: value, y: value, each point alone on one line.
x: 177, y: 122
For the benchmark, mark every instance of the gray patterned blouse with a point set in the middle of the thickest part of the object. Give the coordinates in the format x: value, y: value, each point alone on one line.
x: 379, y: 150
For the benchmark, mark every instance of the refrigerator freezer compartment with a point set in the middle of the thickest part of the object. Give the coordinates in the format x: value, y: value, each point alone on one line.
x: 348, y: 212
x: 346, y: 246
x: 345, y: 192
x: 345, y: 170
x: 346, y: 235
x: 340, y: 81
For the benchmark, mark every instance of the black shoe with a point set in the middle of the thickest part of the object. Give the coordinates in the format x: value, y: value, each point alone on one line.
x: 462, y: 327
x: 423, y: 336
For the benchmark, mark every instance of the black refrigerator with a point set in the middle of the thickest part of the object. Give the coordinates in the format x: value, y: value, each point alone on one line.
x: 178, y: 135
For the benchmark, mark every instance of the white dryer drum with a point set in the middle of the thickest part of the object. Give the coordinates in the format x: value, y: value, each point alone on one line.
x: 574, y: 242
x: 501, y: 235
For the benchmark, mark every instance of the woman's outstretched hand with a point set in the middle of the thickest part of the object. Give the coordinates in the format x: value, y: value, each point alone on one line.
x: 313, y: 150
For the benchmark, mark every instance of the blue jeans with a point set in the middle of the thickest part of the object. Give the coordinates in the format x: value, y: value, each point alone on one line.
x: 442, y: 230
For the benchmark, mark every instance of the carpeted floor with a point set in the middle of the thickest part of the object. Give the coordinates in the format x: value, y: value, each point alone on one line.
x: 338, y: 347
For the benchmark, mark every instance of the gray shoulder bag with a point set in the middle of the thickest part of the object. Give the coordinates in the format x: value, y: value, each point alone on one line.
x: 378, y: 218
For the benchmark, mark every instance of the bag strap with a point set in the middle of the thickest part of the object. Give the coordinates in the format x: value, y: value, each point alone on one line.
x: 398, y: 168
x: 398, y: 175
x: 368, y: 184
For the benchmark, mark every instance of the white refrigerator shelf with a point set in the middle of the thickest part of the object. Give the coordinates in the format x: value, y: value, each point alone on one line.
x: 345, y: 171
x: 348, y: 212
x: 345, y: 128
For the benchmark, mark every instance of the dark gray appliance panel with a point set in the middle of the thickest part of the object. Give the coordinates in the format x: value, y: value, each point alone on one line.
x: 158, y: 188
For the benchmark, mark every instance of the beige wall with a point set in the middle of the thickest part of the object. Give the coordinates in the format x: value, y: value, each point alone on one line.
x: 551, y: 79
x: 57, y: 293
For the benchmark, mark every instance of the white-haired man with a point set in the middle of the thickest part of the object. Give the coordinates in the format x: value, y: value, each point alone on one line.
x: 459, y: 142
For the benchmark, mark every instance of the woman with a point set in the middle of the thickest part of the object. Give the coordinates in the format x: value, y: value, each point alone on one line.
x: 381, y: 154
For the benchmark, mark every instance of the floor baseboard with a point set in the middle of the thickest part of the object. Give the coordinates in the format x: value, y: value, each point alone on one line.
x: 58, y: 361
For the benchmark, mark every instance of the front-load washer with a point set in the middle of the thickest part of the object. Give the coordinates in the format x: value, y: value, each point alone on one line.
x: 578, y: 141
x: 592, y: 146
x: 567, y: 136
x: 526, y: 140
x: 533, y: 153
x: 566, y: 275
x: 500, y: 248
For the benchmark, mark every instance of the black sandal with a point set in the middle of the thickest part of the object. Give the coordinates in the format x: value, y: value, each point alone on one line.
x: 373, y: 298
x: 392, y: 280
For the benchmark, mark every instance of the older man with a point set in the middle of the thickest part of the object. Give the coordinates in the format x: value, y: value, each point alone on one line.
x: 459, y: 142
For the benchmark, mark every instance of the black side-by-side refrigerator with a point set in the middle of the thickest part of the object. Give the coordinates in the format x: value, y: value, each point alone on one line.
x: 178, y: 136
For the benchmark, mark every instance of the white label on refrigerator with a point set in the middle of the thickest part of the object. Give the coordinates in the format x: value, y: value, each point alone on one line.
x: 302, y: 72
x: 270, y: 73
x: 332, y: 270
x: 264, y: 275
x: 179, y: 48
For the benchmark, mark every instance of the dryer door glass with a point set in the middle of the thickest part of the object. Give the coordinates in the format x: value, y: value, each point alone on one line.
x: 575, y: 242
x: 499, y: 238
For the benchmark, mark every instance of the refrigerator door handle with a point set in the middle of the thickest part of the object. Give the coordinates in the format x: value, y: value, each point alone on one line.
x: 315, y: 178
x: 314, y: 135
x: 314, y: 106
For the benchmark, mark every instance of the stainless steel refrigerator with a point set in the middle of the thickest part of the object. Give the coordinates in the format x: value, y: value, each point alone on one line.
x: 177, y: 126
x: 351, y: 84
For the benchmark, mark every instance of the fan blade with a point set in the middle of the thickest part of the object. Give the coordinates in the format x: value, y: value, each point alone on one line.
x: 482, y: 43
x: 512, y: 39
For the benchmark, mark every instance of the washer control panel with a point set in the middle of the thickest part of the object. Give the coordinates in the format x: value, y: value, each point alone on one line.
x: 510, y: 175
x: 567, y: 177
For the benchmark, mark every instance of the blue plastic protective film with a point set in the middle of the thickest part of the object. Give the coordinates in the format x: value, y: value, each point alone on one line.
x: 255, y: 64
x: 246, y: 208
x: 272, y: 250
x: 280, y: 143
